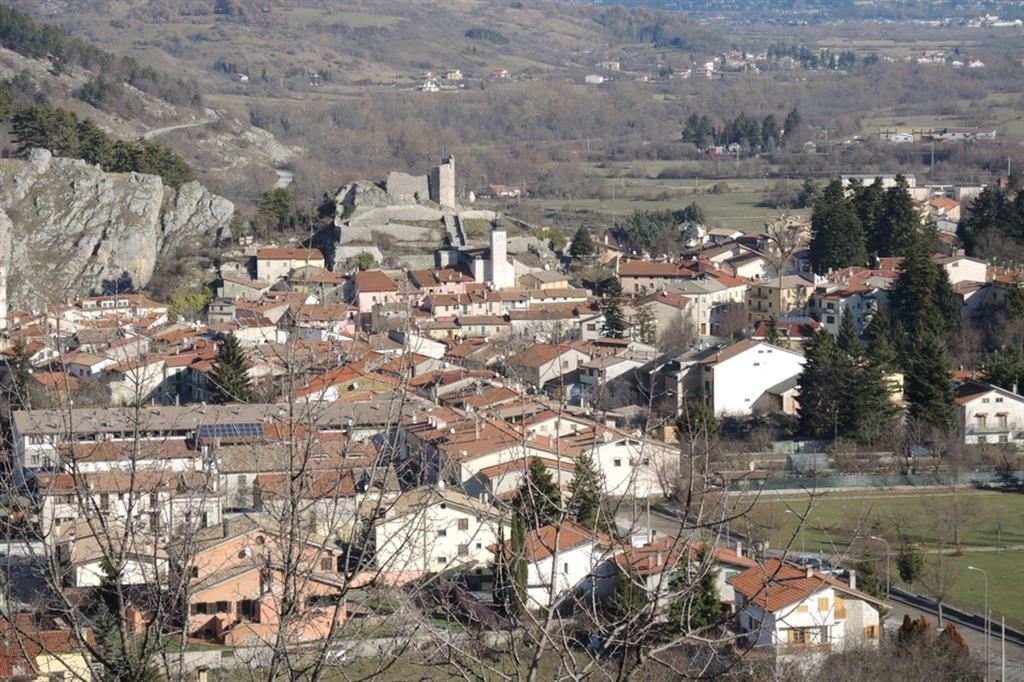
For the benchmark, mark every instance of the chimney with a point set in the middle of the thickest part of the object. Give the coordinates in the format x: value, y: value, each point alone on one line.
x: 809, y: 572
x: 739, y: 548
x: 224, y: 526
x: 476, y: 428
x: 657, y: 559
x: 853, y: 579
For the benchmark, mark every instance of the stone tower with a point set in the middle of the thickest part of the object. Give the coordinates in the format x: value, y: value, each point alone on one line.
x: 502, y: 275
x: 442, y: 183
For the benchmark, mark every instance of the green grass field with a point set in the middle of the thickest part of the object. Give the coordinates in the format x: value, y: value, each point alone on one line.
x: 1005, y: 589
x: 839, y: 523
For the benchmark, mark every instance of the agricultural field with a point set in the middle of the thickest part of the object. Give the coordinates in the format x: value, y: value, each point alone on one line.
x: 735, y: 203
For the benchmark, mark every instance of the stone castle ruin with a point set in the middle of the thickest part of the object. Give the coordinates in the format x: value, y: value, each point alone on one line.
x: 416, y: 221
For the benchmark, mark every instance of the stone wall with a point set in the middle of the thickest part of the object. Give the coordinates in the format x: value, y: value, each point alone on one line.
x: 403, y: 188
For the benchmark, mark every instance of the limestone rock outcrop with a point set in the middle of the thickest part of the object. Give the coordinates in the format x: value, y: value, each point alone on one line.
x: 75, y: 229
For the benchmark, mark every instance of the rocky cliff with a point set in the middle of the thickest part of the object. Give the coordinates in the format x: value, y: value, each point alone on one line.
x: 76, y: 229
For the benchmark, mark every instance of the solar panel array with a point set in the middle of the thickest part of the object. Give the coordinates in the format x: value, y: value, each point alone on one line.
x: 228, y: 431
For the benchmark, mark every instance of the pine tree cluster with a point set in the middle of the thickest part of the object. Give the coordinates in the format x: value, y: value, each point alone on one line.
x: 850, y: 224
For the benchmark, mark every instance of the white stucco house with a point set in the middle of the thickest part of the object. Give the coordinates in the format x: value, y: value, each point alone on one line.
x: 85, y: 549
x: 797, y: 611
x: 544, y: 362
x: 990, y: 414
x: 432, y: 530
x: 734, y: 379
x: 565, y: 561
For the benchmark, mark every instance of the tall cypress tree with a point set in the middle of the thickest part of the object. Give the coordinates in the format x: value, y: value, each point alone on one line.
x: 771, y: 332
x: 928, y: 387
x: 837, y: 237
x: 229, y: 376
x: 518, y: 570
x: 587, y: 488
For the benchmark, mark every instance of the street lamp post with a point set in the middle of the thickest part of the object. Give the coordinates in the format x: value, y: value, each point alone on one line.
x: 888, y: 551
x: 987, y: 642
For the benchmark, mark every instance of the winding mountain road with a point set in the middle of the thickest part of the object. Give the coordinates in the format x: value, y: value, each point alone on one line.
x: 211, y: 117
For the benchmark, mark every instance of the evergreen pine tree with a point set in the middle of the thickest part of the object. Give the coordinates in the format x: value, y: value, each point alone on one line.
x: 539, y: 498
x: 819, y: 398
x: 922, y: 298
x: 614, y: 324
x: 646, y: 324
x: 628, y: 597
x: 611, y: 287
x: 928, y: 386
x: 869, y: 203
x: 837, y: 238
x: 582, y: 245
x: 847, y: 339
x: 587, y: 488
x: 900, y: 231
x: 1004, y: 368
x: 695, y: 605
x: 229, y: 376
x: 881, y: 347
x: 771, y: 332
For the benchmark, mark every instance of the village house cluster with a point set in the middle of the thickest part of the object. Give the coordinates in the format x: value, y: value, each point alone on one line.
x: 413, y: 405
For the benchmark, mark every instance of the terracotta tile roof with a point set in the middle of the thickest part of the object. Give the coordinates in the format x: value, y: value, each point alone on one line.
x: 56, y: 380
x: 146, y: 480
x: 245, y: 281
x: 423, y: 279
x: 523, y: 463
x: 777, y: 584
x: 323, y: 313
x: 374, y: 280
x: 666, y: 552
x: 277, y: 253
x: 545, y: 541
x: 313, y: 485
x: 675, y: 300
x: 424, y: 497
x: 82, y: 358
x: 126, y: 451
x: 540, y: 354
x: 647, y: 268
